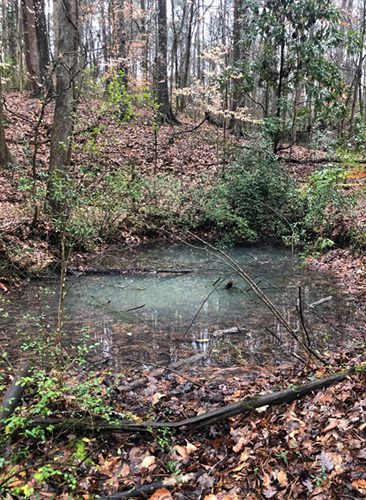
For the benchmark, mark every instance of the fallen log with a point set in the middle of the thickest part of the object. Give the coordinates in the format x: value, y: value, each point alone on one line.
x: 74, y: 271
x: 318, y: 161
x: 14, y: 393
x: 88, y: 424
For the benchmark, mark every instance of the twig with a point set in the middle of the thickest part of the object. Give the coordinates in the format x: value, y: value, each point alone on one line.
x: 302, y: 319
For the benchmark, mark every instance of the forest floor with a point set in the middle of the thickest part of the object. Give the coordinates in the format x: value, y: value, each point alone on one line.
x: 311, y: 448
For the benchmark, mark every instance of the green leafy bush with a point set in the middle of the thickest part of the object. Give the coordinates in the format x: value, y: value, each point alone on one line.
x: 256, y: 200
x: 326, y: 205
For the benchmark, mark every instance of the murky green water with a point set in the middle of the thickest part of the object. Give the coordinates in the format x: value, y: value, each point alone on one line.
x: 160, y: 316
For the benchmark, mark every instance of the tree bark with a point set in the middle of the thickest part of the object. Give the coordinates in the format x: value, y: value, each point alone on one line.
x: 165, y: 113
x: 31, y: 51
x: 5, y: 157
x: 66, y: 70
x: 187, y: 57
x: 42, y: 41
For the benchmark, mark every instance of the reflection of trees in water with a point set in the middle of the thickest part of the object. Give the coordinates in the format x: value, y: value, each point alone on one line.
x: 170, y: 303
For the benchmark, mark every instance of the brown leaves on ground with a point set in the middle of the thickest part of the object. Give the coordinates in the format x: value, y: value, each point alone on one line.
x: 348, y: 268
x: 311, y: 448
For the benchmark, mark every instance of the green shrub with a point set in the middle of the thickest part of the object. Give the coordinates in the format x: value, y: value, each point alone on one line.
x: 257, y: 200
x: 326, y: 204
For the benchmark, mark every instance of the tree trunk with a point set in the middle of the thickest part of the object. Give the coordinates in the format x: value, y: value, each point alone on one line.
x: 32, y: 59
x: 66, y: 70
x: 104, y: 34
x: 165, y: 113
x: 42, y: 41
x: 237, y: 126
x: 278, y: 133
x: 357, y: 81
x: 14, y: 393
x: 5, y: 157
x: 187, y: 58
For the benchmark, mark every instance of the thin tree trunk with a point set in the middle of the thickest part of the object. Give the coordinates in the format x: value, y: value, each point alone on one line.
x: 42, y: 41
x: 31, y: 48
x: 187, y: 59
x: 104, y: 34
x: 277, y: 136
x: 5, y: 157
x: 358, y: 74
x: 66, y: 70
x: 165, y: 114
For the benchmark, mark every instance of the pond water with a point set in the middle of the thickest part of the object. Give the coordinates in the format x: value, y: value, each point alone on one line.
x: 160, y: 317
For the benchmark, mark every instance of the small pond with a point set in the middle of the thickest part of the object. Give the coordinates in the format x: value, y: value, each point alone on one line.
x: 161, y: 316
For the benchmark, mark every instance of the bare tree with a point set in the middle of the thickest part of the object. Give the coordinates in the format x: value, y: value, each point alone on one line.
x: 35, y: 43
x: 66, y: 70
x: 166, y: 114
x: 5, y: 157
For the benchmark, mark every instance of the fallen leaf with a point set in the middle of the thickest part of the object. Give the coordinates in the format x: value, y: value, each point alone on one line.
x: 261, y: 409
x: 282, y: 478
x: 266, y: 479
x: 157, y: 397
x: 161, y: 494
x: 239, y: 445
x: 242, y: 461
x: 181, y: 450
x: 360, y: 485
x: 125, y: 471
x: 244, y: 455
x: 335, y: 423
x: 269, y: 492
x: 206, y: 481
x: 191, y: 447
x: 147, y: 462
x: 108, y: 466
x: 326, y: 461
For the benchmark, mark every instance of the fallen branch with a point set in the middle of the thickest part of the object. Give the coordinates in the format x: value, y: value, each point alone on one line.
x: 289, y: 159
x: 88, y: 424
x: 116, y: 270
x: 146, y: 489
x: 196, y: 127
x: 319, y: 302
x: 141, y: 491
x: 14, y: 393
x: 227, y: 331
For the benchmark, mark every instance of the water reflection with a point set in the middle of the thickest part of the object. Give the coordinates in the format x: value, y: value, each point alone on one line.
x: 149, y: 316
